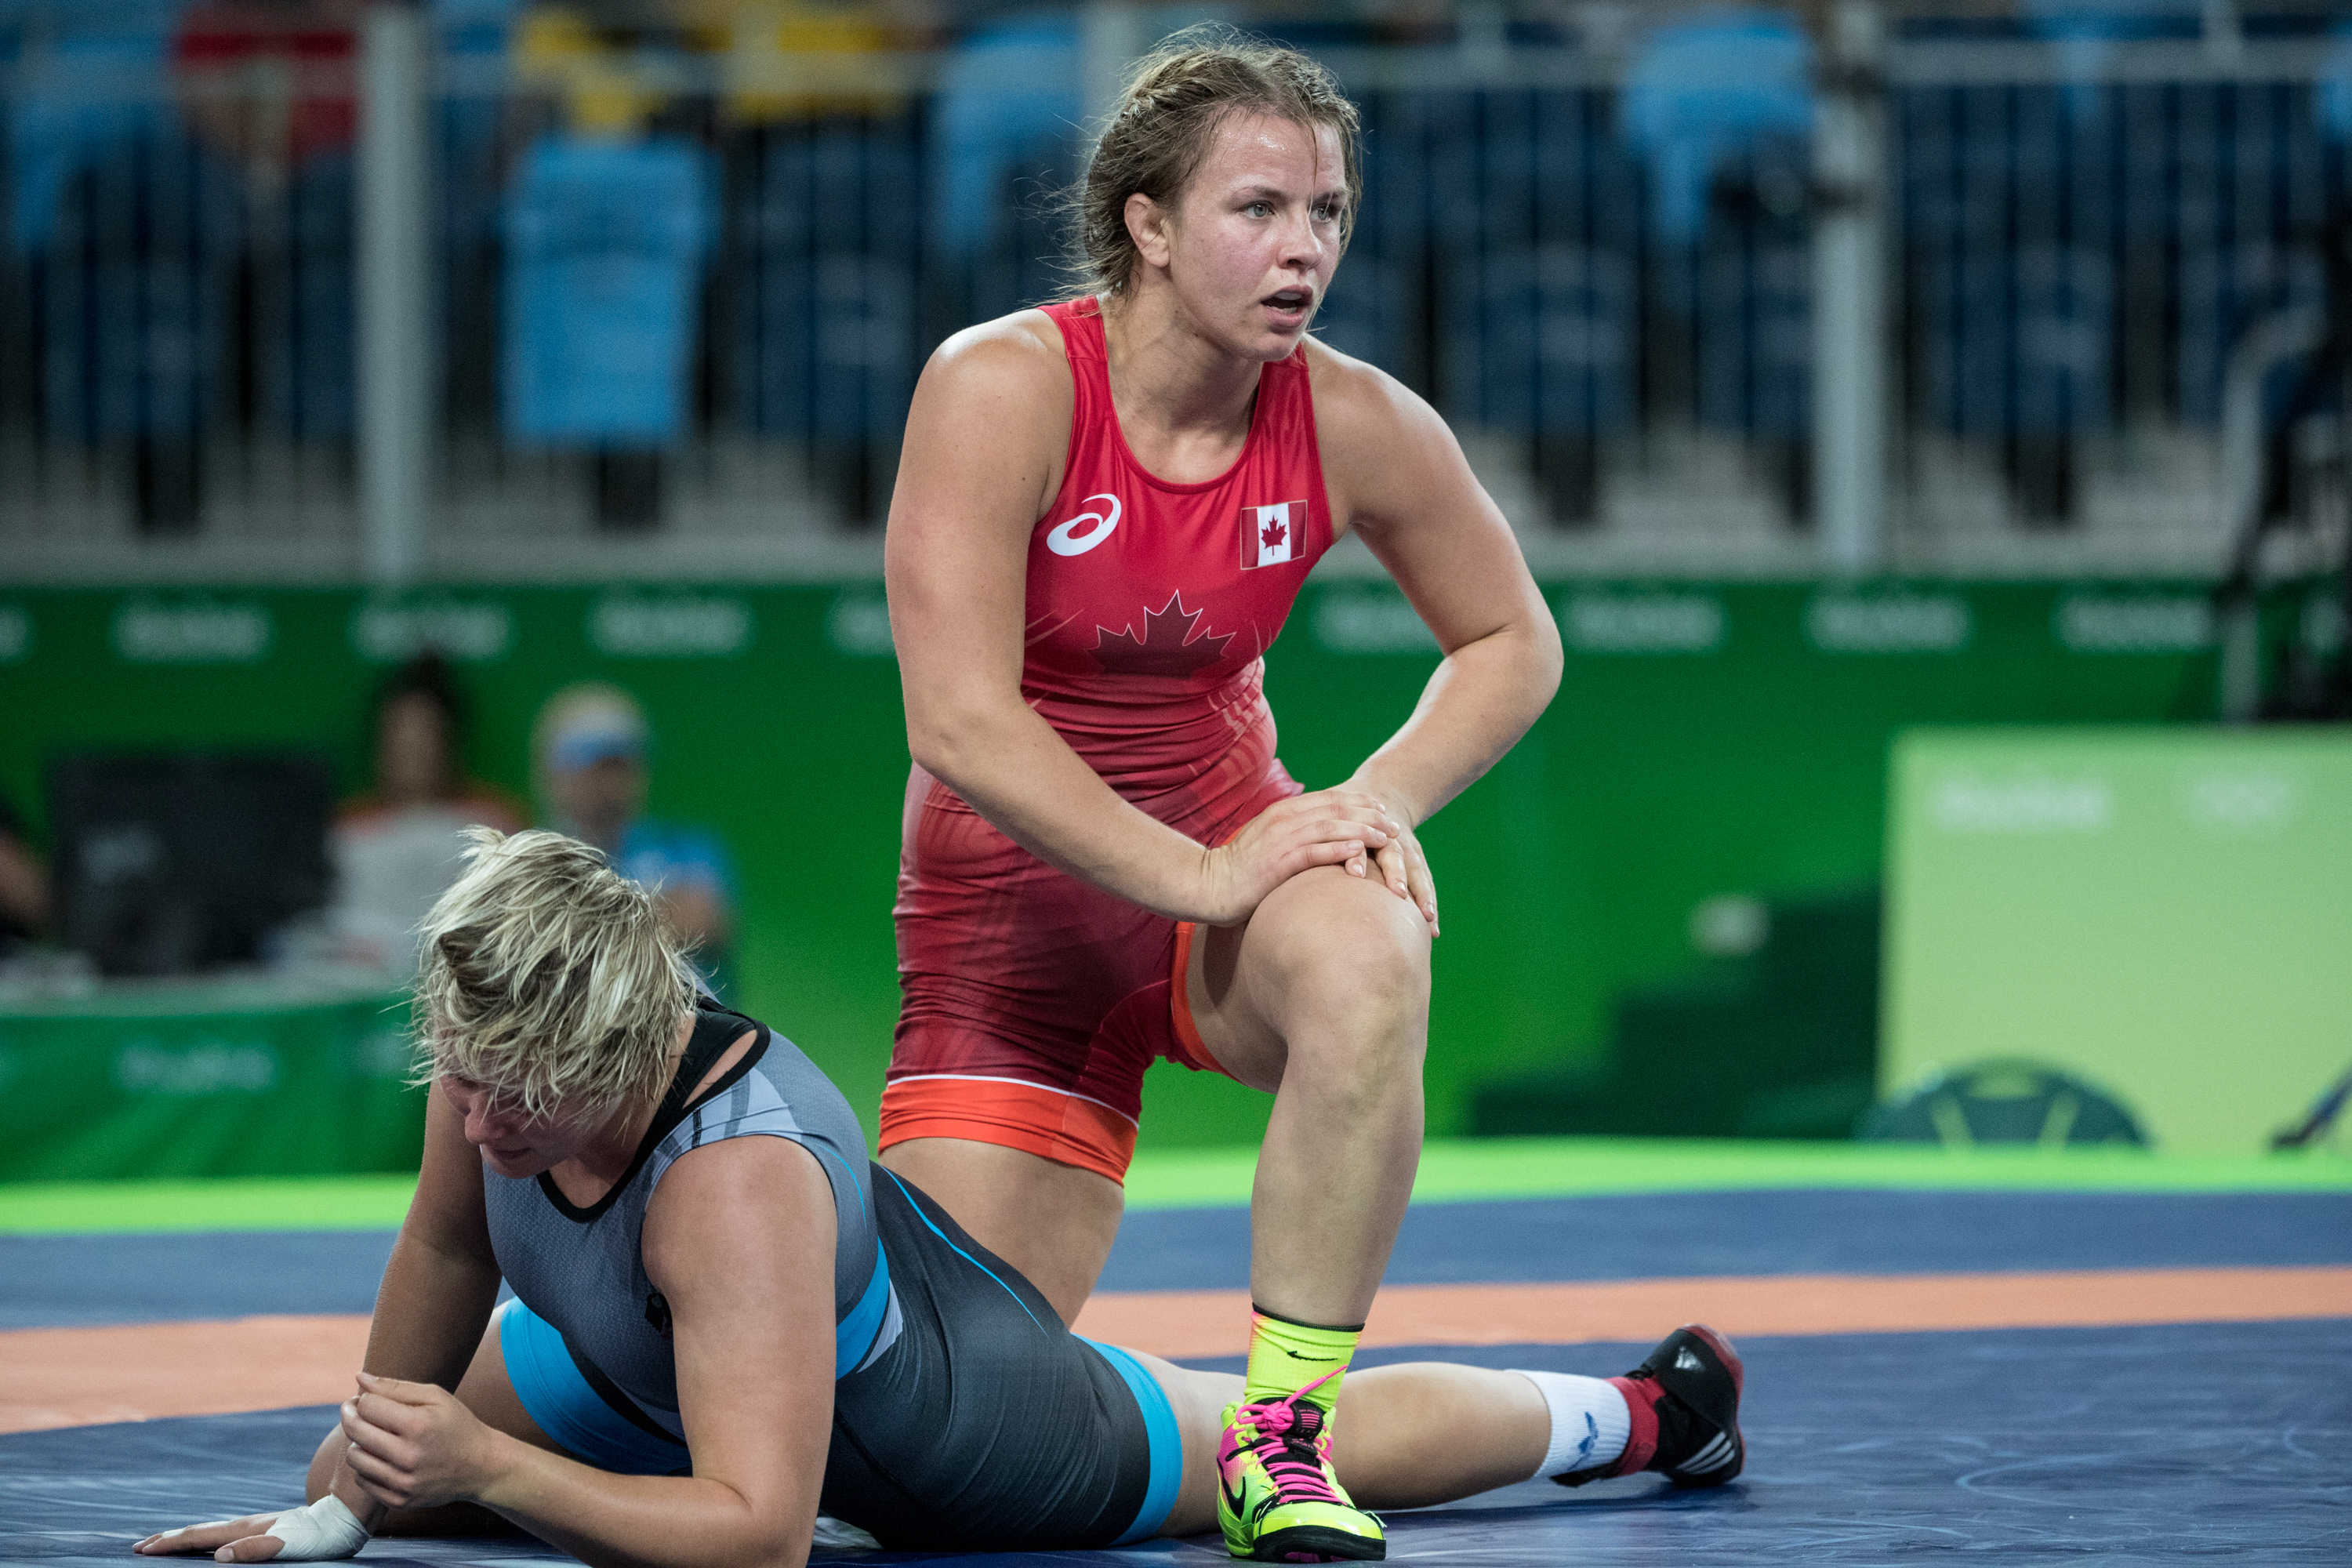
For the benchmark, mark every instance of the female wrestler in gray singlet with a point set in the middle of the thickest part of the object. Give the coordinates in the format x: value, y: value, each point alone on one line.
x: 726, y: 1317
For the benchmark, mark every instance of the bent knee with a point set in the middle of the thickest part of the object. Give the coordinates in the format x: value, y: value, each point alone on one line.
x: 1343, y: 946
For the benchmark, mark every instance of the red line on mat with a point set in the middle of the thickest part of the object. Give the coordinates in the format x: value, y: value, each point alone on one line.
x: 74, y: 1377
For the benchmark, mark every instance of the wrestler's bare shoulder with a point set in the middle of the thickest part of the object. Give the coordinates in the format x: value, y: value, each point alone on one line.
x: 1019, y: 353
x: 1366, y: 421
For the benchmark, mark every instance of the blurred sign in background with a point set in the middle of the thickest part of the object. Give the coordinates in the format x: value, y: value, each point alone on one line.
x: 1841, y: 368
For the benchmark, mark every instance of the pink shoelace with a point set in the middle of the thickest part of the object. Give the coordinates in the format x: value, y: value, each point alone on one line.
x: 1298, y: 1431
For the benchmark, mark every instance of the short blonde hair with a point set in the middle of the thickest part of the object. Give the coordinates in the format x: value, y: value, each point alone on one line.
x: 548, y: 976
x: 1177, y: 98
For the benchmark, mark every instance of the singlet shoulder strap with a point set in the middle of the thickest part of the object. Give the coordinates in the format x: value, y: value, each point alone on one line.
x: 1082, y: 328
x: 715, y: 1030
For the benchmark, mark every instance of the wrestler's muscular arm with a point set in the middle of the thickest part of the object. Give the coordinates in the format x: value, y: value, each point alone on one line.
x: 986, y: 440
x: 439, y: 1288
x: 1396, y: 475
x: 739, y: 1238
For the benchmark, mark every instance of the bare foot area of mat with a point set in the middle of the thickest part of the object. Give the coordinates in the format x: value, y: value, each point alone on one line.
x: 80, y: 1377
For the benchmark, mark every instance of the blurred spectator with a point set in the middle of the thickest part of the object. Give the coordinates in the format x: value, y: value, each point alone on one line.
x: 605, y: 229
x: 589, y: 54
x: 128, y: 228
x: 396, y: 847
x: 792, y: 59
x: 23, y: 884
x: 272, y: 87
x: 272, y: 77
x: 589, y: 750
x: 87, y: 82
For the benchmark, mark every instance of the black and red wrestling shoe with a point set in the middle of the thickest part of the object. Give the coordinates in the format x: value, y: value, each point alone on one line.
x: 1684, y: 1400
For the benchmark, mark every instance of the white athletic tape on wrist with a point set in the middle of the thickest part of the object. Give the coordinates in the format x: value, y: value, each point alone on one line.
x: 320, y: 1533
x: 1590, y: 1423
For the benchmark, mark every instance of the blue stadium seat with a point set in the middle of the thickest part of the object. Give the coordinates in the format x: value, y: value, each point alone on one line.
x: 604, y: 240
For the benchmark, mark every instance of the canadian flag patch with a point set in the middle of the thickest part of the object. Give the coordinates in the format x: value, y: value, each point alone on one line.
x: 1270, y: 534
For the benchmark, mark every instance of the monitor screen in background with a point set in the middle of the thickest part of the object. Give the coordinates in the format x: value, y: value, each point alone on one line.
x: 174, y: 864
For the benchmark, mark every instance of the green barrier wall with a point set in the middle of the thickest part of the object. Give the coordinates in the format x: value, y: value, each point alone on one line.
x: 1707, y: 740
x: 218, y: 1079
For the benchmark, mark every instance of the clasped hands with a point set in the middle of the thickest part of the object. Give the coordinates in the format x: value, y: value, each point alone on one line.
x: 1350, y: 827
x: 411, y: 1446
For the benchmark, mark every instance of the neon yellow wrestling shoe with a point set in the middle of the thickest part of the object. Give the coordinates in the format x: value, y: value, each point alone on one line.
x: 1278, y: 1499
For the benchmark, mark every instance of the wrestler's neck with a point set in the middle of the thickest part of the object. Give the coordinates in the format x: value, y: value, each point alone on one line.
x: 1173, y: 379
x: 612, y: 1149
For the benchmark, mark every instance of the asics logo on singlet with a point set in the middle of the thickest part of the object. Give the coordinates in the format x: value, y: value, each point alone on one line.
x: 1084, y: 532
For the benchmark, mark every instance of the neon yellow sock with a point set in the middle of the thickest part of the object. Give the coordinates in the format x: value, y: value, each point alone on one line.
x: 1285, y: 1357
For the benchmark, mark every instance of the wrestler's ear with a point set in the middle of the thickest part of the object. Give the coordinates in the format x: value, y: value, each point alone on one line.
x: 1147, y: 224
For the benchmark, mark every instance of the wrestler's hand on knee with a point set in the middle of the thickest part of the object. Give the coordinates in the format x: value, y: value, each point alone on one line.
x: 1404, y: 870
x: 413, y: 1445
x: 1342, y: 827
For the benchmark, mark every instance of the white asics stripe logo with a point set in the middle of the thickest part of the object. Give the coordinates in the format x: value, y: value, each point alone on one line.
x: 1064, y: 538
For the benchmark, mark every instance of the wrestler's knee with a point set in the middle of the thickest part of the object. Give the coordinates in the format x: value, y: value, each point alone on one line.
x: 1352, y: 962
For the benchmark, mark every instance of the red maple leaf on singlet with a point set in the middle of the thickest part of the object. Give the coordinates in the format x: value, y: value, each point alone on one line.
x: 1271, y: 535
x: 1169, y: 645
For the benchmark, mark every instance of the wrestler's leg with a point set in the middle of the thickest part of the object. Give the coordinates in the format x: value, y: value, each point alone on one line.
x: 489, y: 1393
x: 1053, y: 1222
x: 1407, y: 1435
x: 1323, y: 998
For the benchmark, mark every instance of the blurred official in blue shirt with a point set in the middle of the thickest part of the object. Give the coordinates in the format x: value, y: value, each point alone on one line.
x: 590, y: 748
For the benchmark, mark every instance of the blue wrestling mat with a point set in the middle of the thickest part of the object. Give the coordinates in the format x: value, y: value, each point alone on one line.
x: 2091, y: 1444
x: 57, y: 1281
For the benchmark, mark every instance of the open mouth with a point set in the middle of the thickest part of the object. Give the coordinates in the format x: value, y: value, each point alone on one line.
x: 1289, y: 301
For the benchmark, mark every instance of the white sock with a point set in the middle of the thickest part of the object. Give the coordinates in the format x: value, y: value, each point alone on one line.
x: 1590, y: 1423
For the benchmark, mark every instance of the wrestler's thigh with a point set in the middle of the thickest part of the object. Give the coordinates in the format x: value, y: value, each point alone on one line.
x: 1053, y: 1222
x: 486, y: 1390
x: 1198, y: 1399
x: 1321, y: 947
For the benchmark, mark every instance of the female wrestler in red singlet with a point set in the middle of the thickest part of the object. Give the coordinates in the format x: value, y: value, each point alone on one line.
x: 1104, y: 511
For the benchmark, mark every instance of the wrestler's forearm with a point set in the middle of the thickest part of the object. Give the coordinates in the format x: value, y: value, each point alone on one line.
x: 643, y: 1521
x: 1010, y: 765
x: 430, y: 1311
x: 1480, y: 701
x: 429, y: 1314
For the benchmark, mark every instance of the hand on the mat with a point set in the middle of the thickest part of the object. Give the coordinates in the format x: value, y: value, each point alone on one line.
x: 413, y: 1445
x: 322, y: 1532
x: 1340, y: 827
x: 248, y: 1536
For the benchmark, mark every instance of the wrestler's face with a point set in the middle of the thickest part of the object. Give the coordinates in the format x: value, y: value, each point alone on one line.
x: 514, y: 1142
x: 1255, y: 238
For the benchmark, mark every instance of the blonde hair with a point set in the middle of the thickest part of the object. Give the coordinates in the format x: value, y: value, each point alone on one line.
x: 1177, y: 99
x: 548, y: 976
